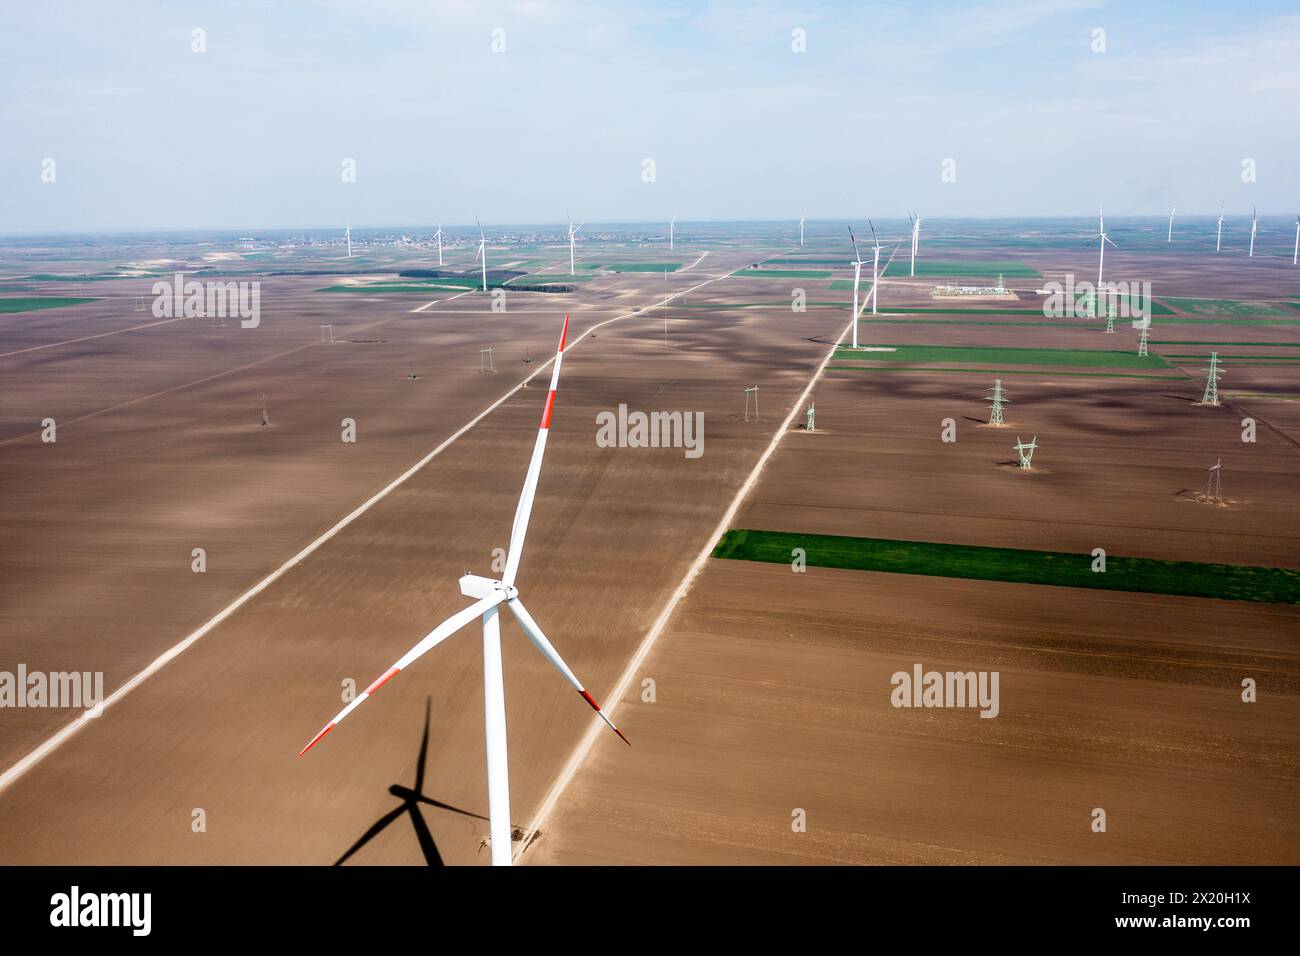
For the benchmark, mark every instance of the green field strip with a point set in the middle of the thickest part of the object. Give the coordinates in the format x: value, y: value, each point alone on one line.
x: 1008, y: 355
x: 542, y: 278
x: 1227, y: 308
x: 35, y: 303
x: 998, y: 371
x: 1157, y: 307
x: 1228, y: 582
x: 962, y: 268
x: 640, y: 266
x: 1255, y: 345
x: 828, y: 261
x: 782, y: 274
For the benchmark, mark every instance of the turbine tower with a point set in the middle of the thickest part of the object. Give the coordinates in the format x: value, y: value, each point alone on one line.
x: 489, y: 595
x: 672, y: 228
x: 1215, y: 480
x: 998, y: 400
x: 1218, y: 242
x: 1211, y: 394
x: 1101, y: 239
x: 1254, y: 224
x: 438, y: 235
x: 482, y: 250
x: 1295, y: 256
x: 1171, y: 224
x: 801, y: 232
x: 875, y: 268
x: 347, y: 235
x: 916, y: 239
x: 857, y: 277
x: 573, y: 230
x: 1026, y: 451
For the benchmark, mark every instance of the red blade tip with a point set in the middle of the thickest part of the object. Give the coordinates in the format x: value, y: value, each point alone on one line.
x: 325, y: 730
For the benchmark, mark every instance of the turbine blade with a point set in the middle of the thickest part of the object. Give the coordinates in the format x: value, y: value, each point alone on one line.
x: 431, y: 640
x: 857, y: 256
x: 539, y: 641
x: 524, y: 509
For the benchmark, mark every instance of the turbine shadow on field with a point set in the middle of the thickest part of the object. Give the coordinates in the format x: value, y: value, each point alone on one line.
x: 411, y: 799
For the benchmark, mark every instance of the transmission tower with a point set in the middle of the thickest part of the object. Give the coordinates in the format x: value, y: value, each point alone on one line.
x: 266, y: 419
x: 1215, y: 480
x: 1026, y: 451
x: 485, y: 361
x: 998, y: 400
x: 1211, y: 396
x: 754, y: 392
x: 1110, y: 317
x: 812, y: 417
x: 1142, y: 340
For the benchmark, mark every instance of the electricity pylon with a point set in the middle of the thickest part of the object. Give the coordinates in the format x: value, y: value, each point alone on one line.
x: 995, y: 411
x: 1211, y: 396
x: 1026, y: 451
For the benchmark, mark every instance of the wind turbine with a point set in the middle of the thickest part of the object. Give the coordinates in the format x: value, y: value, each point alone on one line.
x: 1295, y: 256
x: 482, y: 250
x: 801, y: 232
x: 1101, y: 248
x: 572, y: 232
x: 490, y: 595
x: 438, y: 235
x: 1218, y: 242
x: 347, y: 234
x: 1254, y: 224
x: 671, y: 228
x: 857, y: 276
x: 916, y: 239
x: 1171, y: 224
x: 875, y: 269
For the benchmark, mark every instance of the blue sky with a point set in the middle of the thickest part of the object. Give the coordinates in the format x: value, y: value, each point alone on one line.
x: 252, y: 134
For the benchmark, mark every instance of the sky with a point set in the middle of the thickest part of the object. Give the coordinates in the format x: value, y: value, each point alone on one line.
x: 1023, y: 103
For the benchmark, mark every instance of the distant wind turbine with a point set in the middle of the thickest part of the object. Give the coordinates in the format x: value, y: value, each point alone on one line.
x: 1254, y: 224
x: 482, y: 250
x: 801, y: 232
x: 1295, y: 256
x: 875, y: 269
x: 671, y: 227
x: 572, y: 232
x: 438, y: 235
x: 1102, y: 239
x: 347, y: 234
x: 857, y: 277
x: 1171, y: 224
x: 1218, y: 242
x: 489, y: 595
x: 916, y: 239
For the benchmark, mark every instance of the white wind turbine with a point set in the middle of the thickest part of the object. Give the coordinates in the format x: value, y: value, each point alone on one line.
x: 672, y: 225
x: 1171, y: 224
x: 347, y: 234
x: 489, y: 594
x: 1218, y: 242
x: 1254, y: 224
x: 857, y: 277
x: 572, y: 232
x: 801, y: 232
x: 482, y: 250
x: 438, y: 235
x: 1101, y: 246
x: 1295, y: 256
x: 916, y: 239
x: 875, y: 269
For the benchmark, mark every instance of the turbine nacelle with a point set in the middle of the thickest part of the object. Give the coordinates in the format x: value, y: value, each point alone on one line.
x: 479, y: 587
